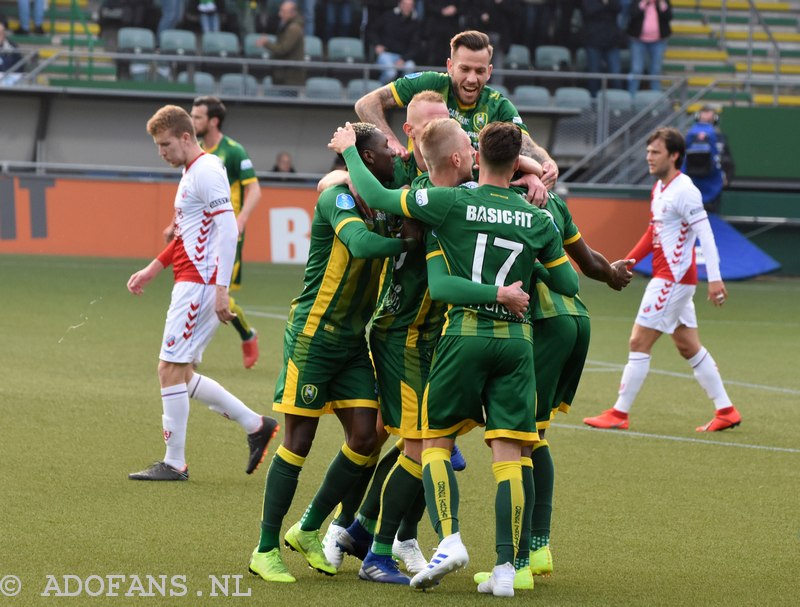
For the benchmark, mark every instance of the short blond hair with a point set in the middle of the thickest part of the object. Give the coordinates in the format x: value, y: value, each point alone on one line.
x: 170, y: 118
x: 439, y: 141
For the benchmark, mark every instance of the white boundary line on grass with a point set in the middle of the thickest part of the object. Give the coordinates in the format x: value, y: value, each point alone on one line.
x: 730, y: 382
x: 680, y: 439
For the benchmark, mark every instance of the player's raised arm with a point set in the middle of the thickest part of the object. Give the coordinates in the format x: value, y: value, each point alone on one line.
x: 373, y: 107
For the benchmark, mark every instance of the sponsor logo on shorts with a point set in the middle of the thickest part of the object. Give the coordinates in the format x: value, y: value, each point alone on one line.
x: 421, y: 197
x: 646, y: 310
x: 345, y: 201
x: 170, y: 341
x: 308, y: 393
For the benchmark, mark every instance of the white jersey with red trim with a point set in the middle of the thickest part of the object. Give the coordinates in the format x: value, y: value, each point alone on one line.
x: 202, y: 193
x: 676, y: 207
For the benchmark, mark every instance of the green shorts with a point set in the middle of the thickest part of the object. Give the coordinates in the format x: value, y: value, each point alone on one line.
x: 560, y: 345
x: 402, y: 374
x: 236, y: 275
x: 481, y: 381
x: 320, y: 375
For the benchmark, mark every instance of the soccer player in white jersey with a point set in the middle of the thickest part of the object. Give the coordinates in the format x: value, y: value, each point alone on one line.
x: 677, y: 221
x: 201, y: 254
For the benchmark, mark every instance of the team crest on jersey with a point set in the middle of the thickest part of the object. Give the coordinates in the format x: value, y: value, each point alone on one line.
x: 345, y: 201
x: 421, y: 197
x: 308, y: 393
x: 480, y: 120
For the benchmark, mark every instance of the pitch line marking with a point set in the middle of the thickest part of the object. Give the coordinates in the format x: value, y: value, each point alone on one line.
x: 680, y: 439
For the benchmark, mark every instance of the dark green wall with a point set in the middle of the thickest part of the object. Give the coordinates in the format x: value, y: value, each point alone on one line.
x: 764, y: 141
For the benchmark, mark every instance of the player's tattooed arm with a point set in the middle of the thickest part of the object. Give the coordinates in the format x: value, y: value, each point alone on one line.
x: 550, y: 168
x: 373, y: 108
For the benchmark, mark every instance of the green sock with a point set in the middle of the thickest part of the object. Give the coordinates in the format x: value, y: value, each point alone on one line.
x: 539, y: 541
x: 240, y: 322
x: 342, y: 473
x: 371, y: 507
x: 348, y: 507
x: 399, y: 493
x: 509, y: 505
x: 368, y: 524
x: 408, y: 526
x: 279, y: 490
x: 441, y: 491
x: 524, y: 550
x: 543, y: 481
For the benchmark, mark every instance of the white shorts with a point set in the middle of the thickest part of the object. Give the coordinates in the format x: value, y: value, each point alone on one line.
x: 666, y: 305
x: 191, y: 322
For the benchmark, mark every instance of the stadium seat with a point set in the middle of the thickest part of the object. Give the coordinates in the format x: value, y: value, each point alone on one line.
x: 574, y: 97
x: 360, y: 86
x: 615, y: 100
x: 313, y: 48
x: 556, y: 58
x: 581, y: 61
x: 320, y: 87
x: 277, y: 90
x: 203, y: 82
x: 526, y: 94
x: 135, y: 40
x: 220, y: 44
x: 517, y: 58
x: 251, y: 51
x: 645, y: 98
x: 238, y: 84
x: 345, y: 49
x: 178, y: 42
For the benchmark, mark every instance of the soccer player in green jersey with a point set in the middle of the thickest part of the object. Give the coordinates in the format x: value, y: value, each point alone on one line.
x: 473, y: 104
x: 326, y: 363
x: 208, y: 114
x: 483, y: 365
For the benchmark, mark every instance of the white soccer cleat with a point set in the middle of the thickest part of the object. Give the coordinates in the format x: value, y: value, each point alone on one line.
x: 501, y: 583
x: 332, y: 551
x: 410, y: 553
x: 450, y: 555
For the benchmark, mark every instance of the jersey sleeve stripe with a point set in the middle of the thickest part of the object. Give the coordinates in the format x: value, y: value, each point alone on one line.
x: 395, y: 95
x: 343, y: 223
x: 575, y: 238
x: 556, y: 262
x: 433, y: 254
x: 404, y: 202
x: 245, y: 182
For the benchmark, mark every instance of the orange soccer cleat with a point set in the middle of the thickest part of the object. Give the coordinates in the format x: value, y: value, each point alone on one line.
x: 250, y: 350
x: 723, y: 419
x: 608, y: 419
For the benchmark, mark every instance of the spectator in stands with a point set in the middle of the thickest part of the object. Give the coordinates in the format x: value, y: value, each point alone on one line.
x: 24, y: 12
x: 245, y: 17
x: 310, y: 15
x: 172, y: 12
x: 209, y: 15
x: 338, y: 17
x: 601, y: 37
x: 564, y: 34
x: 283, y: 163
x: 373, y: 10
x: 395, y: 39
x: 496, y: 18
x: 648, y: 28
x: 289, y: 46
x: 9, y: 57
x: 442, y: 22
x: 708, y: 159
x: 534, y: 22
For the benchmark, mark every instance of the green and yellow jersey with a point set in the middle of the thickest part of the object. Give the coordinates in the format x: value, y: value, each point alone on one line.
x: 491, y: 106
x: 547, y: 303
x: 238, y: 166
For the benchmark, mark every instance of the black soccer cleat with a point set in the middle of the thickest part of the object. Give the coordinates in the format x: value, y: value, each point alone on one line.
x: 259, y: 441
x: 160, y: 471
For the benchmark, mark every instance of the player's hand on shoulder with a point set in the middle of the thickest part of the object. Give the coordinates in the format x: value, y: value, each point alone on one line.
x: 514, y: 298
x: 537, y: 192
x: 550, y: 174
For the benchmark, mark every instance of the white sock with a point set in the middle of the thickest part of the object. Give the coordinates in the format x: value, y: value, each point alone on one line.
x: 223, y: 402
x: 707, y: 375
x: 175, y: 401
x: 633, y: 377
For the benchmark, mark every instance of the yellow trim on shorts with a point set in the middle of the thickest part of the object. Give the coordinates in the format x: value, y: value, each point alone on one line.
x: 507, y: 471
x: 575, y: 238
x: 293, y: 410
x: 540, y: 444
x: 290, y: 384
x: 356, y: 458
x: 556, y: 262
x: 526, y: 438
x: 410, y: 466
x: 289, y: 457
x: 351, y: 404
x: 344, y: 222
x: 457, y: 430
x: 543, y: 425
x: 409, y: 409
x: 564, y: 407
x: 526, y: 462
x: 334, y: 272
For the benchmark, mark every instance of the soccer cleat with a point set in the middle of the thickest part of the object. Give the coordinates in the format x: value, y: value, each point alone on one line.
x: 410, y: 553
x: 501, y: 582
x: 608, y: 419
x: 307, y: 543
x: 259, y: 441
x: 722, y: 421
x: 160, y: 471
x: 457, y: 459
x: 523, y: 578
x: 382, y: 569
x: 355, y: 541
x: 450, y: 555
x: 250, y: 350
x: 542, y: 561
x: 269, y: 566
x: 332, y: 551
